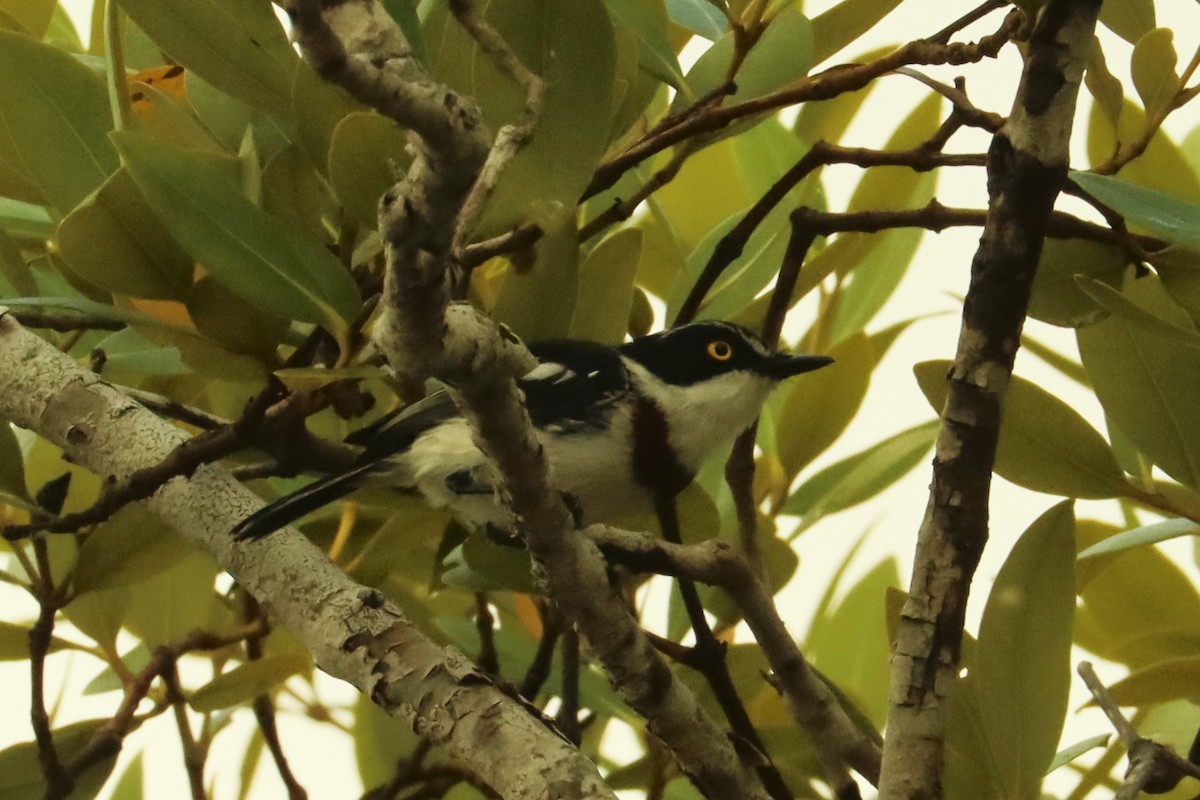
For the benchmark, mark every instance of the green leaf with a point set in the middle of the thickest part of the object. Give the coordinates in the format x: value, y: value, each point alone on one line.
x: 829, y: 119
x: 172, y: 119
x: 20, y: 769
x: 132, y: 784
x: 253, y: 755
x: 606, y: 288
x: 1163, y: 215
x: 745, y: 276
x: 648, y: 21
x: 1137, y: 607
x: 1146, y: 534
x: 12, y: 464
x: 115, y: 241
x: 294, y: 193
x: 515, y: 650
x: 32, y: 15
x: 1147, y: 384
x: 1069, y: 754
x: 250, y: 252
x: 25, y: 219
x: 540, y: 303
x: 1104, y: 86
x: 875, y: 263
x: 1057, y: 297
x: 237, y: 46
x: 234, y: 323
x: 858, y: 663
x: 15, y: 277
x: 844, y: 23
x: 99, y: 615
x: 1163, y: 166
x: 782, y: 55
x: 1129, y: 19
x: 61, y: 32
x: 830, y: 397
x: 715, y: 173
x: 14, y: 642
x: 56, y: 112
x: 1045, y: 445
x: 365, y: 151
x: 129, y: 547
x: 166, y: 606
x: 1067, y: 366
x: 1179, y: 270
x: 572, y: 47
x: 318, y: 107
x: 1176, y: 679
x: 860, y: 477
x: 481, y: 565
x: 404, y: 13
x: 1153, y: 69
x: 247, y: 681
x: 1021, y: 673
x: 380, y: 741
x: 1113, y: 301
x: 701, y: 17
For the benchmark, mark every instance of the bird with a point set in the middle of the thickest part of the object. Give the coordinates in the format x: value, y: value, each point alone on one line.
x: 621, y: 427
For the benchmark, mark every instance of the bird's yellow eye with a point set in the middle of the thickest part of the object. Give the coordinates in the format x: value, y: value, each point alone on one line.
x: 720, y: 350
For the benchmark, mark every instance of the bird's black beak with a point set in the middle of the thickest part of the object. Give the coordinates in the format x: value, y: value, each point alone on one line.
x: 781, y: 365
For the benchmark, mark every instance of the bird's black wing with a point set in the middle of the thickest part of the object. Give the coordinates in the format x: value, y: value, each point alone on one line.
x: 395, y: 432
x: 574, y: 384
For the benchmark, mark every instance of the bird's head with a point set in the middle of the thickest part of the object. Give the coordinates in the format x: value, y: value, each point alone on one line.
x: 710, y: 380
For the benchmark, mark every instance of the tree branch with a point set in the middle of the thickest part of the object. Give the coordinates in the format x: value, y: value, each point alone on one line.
x: 1027, y: 165
x: 822, y: 86
x: 353, y: 633
x: 806, y: 696
x: 1153, y: 768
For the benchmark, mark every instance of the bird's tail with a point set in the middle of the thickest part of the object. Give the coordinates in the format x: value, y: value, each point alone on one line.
x: 289, y: 508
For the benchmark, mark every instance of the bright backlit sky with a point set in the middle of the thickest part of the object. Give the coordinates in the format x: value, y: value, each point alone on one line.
x: 939, y: 272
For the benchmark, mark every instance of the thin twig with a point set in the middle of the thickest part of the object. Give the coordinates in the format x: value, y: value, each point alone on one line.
x: 1153, y: 768
x: 707, y: 656
x: 59, y: 782
x: 921, y: 158
x: 822, y: 86
x: 106, y: 742
x: 174, y: 409
x: 64, y: 321
x: 511, y: 138
x: 947, y: 33
x: 623, y: 209
x: 264, y: 707
x: 567, y: 718
x: 543, y: 657
x: 739, y: 468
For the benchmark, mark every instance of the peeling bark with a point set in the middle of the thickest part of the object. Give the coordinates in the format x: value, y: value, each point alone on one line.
x: 1027, y: 165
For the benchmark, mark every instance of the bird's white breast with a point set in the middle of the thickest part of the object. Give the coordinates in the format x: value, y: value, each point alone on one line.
x: 705, y: 417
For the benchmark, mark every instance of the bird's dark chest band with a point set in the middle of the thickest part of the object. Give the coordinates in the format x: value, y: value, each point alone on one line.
x: 655, y: 464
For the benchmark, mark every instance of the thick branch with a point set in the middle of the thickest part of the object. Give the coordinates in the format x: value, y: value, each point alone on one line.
x: 353, y: 633
x: 1027, y: 165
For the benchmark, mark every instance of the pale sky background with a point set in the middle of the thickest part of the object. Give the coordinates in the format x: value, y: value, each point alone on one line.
x: 323, y: 758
